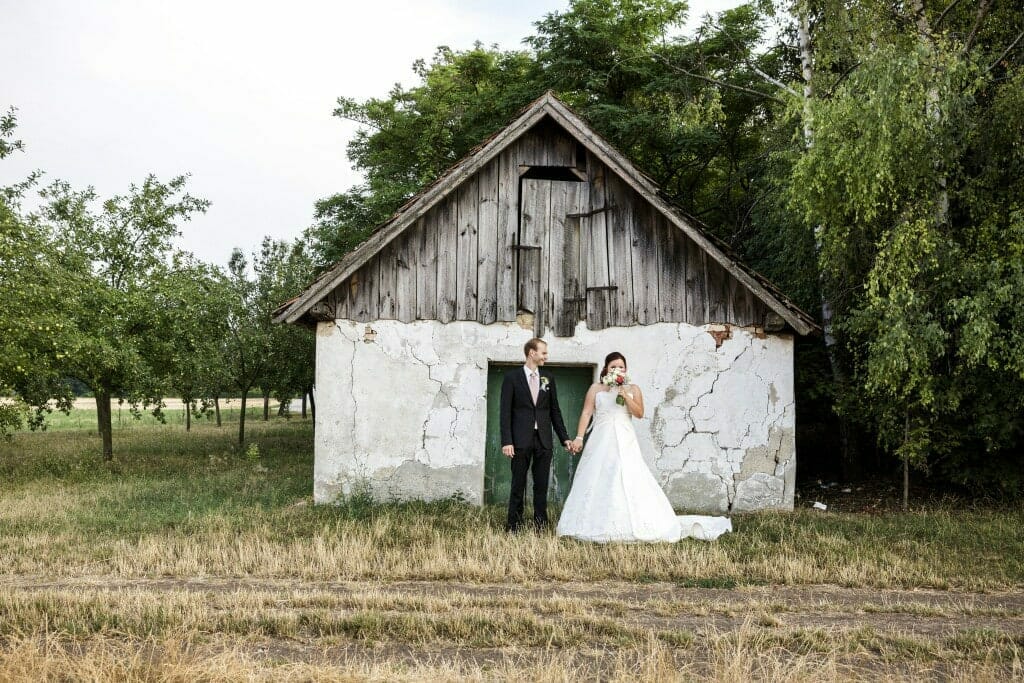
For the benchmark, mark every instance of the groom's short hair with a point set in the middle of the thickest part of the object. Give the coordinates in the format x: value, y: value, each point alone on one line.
x: 532, y: 345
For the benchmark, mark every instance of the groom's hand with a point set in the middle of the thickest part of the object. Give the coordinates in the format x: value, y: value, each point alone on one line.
x: 569, y: 446
x: 509, y: 451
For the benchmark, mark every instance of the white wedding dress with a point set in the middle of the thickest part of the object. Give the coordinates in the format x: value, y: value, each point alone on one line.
x: 614, y: 496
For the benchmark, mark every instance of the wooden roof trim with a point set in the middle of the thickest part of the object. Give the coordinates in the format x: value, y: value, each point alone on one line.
x: 649, y: 191
x: 413, y: 210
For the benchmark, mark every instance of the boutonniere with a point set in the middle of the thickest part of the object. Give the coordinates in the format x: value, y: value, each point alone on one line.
x: 543, y: 383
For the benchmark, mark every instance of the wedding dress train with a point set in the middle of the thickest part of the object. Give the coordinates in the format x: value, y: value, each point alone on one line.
x: 614, y: 496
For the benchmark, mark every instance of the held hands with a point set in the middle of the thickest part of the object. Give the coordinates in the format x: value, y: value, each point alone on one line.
x: 573, y: 446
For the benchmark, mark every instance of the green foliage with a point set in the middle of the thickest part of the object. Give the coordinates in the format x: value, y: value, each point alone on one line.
x: 914, y: 184
x: 193, y: 308
x: 905, y: 204
x: 8, y: 124
x: 618, y: 64
x: 89, y: 288
x: 32, y: 318
x: 282, y: 270
x: 122, y: 256
x: 257, y: 353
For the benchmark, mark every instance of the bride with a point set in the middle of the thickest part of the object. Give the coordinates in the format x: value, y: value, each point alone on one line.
x: 614, y: 496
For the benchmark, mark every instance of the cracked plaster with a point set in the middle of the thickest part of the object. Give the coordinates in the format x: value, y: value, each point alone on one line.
x: 405, y: 413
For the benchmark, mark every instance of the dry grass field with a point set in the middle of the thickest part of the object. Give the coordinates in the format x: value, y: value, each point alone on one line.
x: 189, y: 560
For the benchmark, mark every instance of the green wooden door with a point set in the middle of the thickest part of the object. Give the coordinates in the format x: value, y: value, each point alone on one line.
x: 572, y: 382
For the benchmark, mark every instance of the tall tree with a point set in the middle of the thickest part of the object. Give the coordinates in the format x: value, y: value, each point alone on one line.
x: 121, y: 255
x: 281, y: 272
x: 32, y: 318
x: 193, y: 306
x: 248, y: 346
x: 903, y: 218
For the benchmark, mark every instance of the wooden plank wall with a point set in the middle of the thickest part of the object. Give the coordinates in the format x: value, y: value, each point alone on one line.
x: 601, y: 299
x: 606, y: 256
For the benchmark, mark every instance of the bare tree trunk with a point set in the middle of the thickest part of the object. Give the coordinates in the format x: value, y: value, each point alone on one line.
x: 312, y: 404
x: 266, y: 406
x: 103, y: 423
x: 241, y: 420
x: 216, y: 408
x: 281, y: 408
x: 983, y: 7
x: 838, y: 375
x: 906, y: 462
x: 188, y: 416
x: 303, y: 404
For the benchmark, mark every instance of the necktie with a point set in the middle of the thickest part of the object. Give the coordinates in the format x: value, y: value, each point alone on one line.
x: 534, y: 388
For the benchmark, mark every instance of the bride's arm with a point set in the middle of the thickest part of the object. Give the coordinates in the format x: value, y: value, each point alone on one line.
x: 634, y: 399
x: 588, y: 412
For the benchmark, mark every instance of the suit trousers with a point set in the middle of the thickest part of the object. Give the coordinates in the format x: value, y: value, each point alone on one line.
x: 537, y: 459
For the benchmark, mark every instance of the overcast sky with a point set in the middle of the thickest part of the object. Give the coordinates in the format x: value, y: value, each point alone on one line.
x: 239, y: 94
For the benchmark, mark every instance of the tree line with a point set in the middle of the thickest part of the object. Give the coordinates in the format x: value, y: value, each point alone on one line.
x: 95, y: 291
x: 866, y: 157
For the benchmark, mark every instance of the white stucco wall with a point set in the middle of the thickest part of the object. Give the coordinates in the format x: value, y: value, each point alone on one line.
x: 401, y: 408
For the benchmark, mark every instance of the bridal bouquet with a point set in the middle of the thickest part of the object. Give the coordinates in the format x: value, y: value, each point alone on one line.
x: 616, y: 378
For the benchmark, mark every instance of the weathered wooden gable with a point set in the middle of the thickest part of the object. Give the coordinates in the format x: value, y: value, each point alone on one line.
x: 547, y: 229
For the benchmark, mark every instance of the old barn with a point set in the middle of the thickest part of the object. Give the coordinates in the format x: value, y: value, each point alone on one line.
x: 547, y: 230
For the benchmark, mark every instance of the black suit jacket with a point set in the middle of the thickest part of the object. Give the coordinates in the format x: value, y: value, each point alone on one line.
x: 519, y: 414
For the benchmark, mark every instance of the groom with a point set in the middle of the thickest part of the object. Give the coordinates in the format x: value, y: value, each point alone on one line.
x: 529, y: 410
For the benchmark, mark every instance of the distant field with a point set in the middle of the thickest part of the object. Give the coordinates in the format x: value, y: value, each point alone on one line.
x: 83, y: 415
x: 189, y: 559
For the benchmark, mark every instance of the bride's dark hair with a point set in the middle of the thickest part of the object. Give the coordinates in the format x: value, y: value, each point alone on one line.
x: 614, y: 355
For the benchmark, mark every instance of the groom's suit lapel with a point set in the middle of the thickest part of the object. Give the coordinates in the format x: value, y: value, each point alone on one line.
x: 524, y: 385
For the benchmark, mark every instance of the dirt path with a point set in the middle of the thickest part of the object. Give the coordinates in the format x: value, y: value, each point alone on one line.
x: 658, y: 606
x: 564, y: 630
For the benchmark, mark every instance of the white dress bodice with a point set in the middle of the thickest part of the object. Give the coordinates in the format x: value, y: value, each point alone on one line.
x: 606, y: 408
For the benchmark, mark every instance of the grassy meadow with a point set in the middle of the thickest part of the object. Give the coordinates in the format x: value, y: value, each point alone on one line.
x: 188, y: 558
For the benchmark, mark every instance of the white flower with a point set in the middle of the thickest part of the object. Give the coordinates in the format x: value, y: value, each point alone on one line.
x: 615, y: 377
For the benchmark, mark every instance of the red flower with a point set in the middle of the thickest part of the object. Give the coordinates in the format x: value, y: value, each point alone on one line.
x: 620, y: 379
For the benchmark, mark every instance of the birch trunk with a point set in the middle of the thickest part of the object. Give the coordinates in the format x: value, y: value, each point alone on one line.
x: 838, y: 376
x: 932, y: 109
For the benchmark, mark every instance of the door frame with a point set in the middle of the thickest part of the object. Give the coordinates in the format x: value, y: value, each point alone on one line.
x: 491, y: 363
